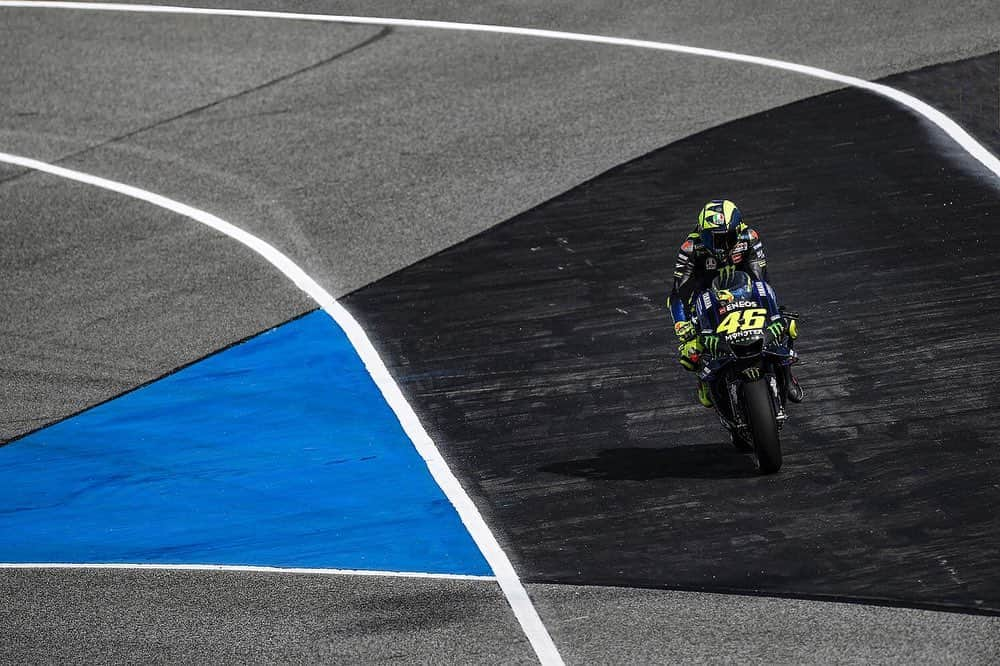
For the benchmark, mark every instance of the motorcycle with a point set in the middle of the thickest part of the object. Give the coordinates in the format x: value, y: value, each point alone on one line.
x: 746, y: 363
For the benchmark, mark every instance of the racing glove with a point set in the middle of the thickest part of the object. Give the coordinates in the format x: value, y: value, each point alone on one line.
x: 712, y: 344
x: 774, y: 332
x: 790, y: 318
x: 690, y: 354
x: 685, y: 331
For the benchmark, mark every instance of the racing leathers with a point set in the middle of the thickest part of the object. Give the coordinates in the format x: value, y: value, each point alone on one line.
x: 697, y: 266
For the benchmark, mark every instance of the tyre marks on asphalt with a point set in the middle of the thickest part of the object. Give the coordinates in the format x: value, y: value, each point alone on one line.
x: 188, y: 113
x: 539, y: 354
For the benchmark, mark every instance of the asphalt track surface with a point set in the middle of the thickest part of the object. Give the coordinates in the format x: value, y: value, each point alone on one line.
x: 383, y: 156
x: 538, y: 353
x: 537, y: 350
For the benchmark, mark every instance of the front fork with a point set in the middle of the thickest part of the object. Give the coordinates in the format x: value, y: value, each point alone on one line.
x: 734, y: 399
x: 779, y: 393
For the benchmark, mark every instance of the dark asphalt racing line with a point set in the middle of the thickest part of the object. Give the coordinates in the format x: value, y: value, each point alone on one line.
x: 538, y: 354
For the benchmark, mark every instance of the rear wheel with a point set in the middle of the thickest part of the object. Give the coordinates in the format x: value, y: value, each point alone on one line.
x: 766, y: 444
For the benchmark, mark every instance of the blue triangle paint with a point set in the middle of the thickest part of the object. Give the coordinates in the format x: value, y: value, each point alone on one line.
x: 279, y: 451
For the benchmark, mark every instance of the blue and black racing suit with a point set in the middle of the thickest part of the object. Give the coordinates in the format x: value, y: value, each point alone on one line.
x: 697, y: 266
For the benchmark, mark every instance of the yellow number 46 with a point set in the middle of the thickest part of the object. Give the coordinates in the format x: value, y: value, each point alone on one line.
x: 743, y: 320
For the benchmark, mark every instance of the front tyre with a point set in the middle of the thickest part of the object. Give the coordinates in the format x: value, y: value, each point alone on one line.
x: 760, y: 414
x: 739, y: 442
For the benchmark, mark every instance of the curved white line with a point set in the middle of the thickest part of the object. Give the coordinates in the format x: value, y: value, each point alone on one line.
x: 241, y: 567
x: 949, y: 126
x: 511, y: 585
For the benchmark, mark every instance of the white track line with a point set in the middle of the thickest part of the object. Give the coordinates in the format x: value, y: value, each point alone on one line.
x: 241, y: 567
x: 949, y: 126
x: 511, y: 585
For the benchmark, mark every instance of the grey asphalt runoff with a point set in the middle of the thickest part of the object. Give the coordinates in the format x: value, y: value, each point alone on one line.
x: 356, y: 168
x: 115, y: 616
x: 628, y: 626
x: 163, y: 616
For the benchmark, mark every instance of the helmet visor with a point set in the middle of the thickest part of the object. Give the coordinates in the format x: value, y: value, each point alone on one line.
x: 719, y: 239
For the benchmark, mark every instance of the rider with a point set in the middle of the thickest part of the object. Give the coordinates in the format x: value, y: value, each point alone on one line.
x: 721, y: 243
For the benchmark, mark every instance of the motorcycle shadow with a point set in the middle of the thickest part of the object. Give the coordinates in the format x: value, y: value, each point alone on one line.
x: 688, y: 461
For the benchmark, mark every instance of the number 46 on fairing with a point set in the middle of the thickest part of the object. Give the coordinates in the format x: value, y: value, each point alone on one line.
x: 743, y: 320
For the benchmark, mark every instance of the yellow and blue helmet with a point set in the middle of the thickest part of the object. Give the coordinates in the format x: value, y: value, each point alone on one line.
x: 718, y: 223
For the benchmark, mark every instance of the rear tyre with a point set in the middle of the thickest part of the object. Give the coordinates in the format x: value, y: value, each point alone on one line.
x: 766, y: 444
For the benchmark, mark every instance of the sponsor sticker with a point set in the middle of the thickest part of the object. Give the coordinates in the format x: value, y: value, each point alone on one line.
x: 738, y: 305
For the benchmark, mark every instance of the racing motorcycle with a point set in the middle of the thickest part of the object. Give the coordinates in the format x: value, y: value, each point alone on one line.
x: 746, y: 362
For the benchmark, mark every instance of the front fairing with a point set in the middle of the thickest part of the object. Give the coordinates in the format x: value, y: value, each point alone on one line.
x: 739, y: 324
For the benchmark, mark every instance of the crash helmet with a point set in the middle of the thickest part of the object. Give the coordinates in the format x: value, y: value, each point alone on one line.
x: 718, y: 224
x: 733, y: 285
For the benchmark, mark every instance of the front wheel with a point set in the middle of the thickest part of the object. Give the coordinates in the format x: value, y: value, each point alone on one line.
x: 760, y: 414
x: 739, y: 442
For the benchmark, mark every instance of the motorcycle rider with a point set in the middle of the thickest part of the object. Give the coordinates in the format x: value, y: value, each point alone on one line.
x: 721, y: 243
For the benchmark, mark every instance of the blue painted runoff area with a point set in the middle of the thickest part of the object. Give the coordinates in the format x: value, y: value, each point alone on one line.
x: 279, y: 451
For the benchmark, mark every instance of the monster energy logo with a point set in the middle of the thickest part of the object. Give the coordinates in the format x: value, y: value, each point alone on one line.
x: 752, y: 373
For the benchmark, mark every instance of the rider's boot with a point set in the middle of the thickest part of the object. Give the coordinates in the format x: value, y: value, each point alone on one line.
x: 704, y: 394
x: 795, y: 392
